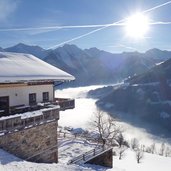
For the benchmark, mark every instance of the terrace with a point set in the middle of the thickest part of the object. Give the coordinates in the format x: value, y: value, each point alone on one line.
x: 64, y: 104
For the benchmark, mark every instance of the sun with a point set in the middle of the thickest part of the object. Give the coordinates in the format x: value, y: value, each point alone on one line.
x: 137, y: 26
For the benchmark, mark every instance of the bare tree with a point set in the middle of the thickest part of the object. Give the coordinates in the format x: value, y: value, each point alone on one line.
x: 153, y: 148
x: 143, y: 147
x: 105, y: 125
x: 139, y: 155
x: 168, y: 152
x: 120, y: 139
x: 134, y: 144
x: 121, y: 152
x: 162, y: 149
x: 148, y: 150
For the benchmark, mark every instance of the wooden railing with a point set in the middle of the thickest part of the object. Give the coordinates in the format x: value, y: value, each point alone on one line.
x: 65, y: 103
x: 16, y: 123
x: 86, y: 156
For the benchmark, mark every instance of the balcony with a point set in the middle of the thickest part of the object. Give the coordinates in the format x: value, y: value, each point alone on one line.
x: 64, y: 104
x: 36, y: 116
x: 14, y: 123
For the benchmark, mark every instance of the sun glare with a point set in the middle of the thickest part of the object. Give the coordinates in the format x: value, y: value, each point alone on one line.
x: 137, y: 26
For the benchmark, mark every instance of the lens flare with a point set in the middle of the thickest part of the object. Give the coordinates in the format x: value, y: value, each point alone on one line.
x: 137, y: 26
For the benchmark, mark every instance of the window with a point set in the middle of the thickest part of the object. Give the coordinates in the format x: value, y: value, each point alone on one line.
x: 32, y: 99
x: 45, y: 96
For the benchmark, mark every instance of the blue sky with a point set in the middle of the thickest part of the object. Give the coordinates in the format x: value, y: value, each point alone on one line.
x: 31, y: 14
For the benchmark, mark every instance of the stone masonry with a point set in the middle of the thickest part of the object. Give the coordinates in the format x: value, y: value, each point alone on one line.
x: 104, y: 159
x: 36, y: 143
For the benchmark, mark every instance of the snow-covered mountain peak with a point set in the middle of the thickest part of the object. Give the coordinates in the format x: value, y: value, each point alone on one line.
x: 23, y: 48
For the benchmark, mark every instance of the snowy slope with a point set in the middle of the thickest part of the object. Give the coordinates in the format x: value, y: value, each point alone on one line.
x: 150, y: 162
x: 12, y: 163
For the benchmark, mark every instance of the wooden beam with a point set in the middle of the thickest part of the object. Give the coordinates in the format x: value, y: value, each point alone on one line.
x: 13, y: 85
x: 7, y: 85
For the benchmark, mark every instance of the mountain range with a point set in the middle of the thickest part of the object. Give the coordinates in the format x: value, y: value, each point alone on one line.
x: 143, y: 99
x: 145, y: 96
x: 94, y: 66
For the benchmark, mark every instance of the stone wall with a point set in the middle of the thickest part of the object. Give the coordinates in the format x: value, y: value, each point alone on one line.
x: 104, y: 159
x: 38, y: 144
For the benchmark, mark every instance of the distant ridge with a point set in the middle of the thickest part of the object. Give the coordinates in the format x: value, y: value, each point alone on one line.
x: 23, y: 48
x: 94, y: 66
x: 145, y: 98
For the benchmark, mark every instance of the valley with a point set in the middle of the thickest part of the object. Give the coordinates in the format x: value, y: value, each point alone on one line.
x: 81, y: 116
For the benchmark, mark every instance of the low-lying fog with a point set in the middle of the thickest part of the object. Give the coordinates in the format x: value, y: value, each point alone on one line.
x: 81, y: 116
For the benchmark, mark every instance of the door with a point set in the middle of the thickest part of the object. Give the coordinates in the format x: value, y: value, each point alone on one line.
x: 4, y: 106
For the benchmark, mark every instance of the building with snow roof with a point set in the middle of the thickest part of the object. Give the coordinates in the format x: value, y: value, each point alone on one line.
x: 29, y: 111
x: 27, y: 83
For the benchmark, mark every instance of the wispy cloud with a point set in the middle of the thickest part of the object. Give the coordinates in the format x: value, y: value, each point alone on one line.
x: 86, y: 34
x: 157, y: 6
x: 52, y: 28
x: 160, y: 23
x: 7, y: 7
x: 121, y: 22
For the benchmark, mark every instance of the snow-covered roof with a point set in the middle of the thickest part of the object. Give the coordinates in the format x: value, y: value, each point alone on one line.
x: 15, y: 67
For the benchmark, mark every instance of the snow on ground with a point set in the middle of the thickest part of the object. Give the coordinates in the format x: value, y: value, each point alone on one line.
x: 9, y: 162
x: 70, y: 148
x: 150, y: 162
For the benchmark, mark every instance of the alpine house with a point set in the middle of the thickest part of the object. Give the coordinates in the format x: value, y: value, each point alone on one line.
x: 29, y: 111
x: 27, y: 83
